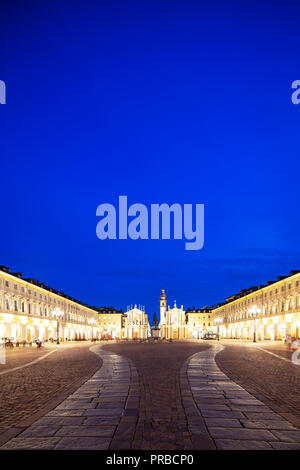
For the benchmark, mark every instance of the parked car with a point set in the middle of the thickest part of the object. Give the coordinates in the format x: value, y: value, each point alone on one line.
x: 210, y: 336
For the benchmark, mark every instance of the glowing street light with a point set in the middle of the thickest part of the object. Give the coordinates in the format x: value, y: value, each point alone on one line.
x: 58, y: 314
x: 254, y: 311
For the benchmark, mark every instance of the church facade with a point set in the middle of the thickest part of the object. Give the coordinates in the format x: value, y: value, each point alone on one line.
x: 136, y: 325
x: 178, y: 324
x: 173, y: 323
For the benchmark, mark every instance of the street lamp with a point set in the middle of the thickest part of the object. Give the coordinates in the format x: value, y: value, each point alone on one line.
x: 218, y: 320
x: 58, y: 314
x: 254, y: 311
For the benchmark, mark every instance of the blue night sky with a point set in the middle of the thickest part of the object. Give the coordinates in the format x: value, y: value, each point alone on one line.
x: 162, y: 101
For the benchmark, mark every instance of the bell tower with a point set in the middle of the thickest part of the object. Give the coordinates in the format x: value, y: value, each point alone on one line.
x: 163, y: 306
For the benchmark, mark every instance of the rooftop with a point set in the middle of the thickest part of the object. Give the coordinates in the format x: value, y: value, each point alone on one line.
x: 42, y: 285
x: 251, y: 289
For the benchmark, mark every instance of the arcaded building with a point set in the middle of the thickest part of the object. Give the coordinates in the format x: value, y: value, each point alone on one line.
x: 30, y: 310
x: 270, y: 312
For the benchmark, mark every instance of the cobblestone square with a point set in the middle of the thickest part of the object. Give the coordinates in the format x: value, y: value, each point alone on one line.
x: 186, y: 395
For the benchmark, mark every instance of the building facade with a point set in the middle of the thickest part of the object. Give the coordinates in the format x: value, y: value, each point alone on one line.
x: 30, y: 310
x: 268, y: 312
x: 177, y: 324
x: 199, y: 322
x: 111, y: 323
x: 116, y: 324
x: 136, y: 325
x: 172, y: 320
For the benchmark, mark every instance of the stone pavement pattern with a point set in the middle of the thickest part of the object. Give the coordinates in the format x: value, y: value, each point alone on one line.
x: 89, y: 418
x: 27, y: 393
x: 231, y: 416
x: 270, y: 379
x: 22, y: 355
x: 160, y: 397
x: 160, y: 421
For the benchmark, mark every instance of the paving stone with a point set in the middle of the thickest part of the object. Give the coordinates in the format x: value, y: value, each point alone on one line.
x: 76, y: 405
x: 253, y: 416
x: 241, y: 434
x: 109, y: 406
x: 110, y: 400
x: 240, y: 396
x: 31, y: 443
x: 203, y: 387
x: 235, y: 444
x: 288, y: 436
x: 246, y: 402
x: 285, y: 445
x: 81, y: 400
x: 228, y: 386
x: 62, y: 412
x: 97, y: 412
x: 213, y: 400
x: 125, y: 431
x: 121, y: 444
x: 40, y: 431
x: 87, y: 431
x: 131, y: 412
x: 205, y: 406
x: 279, y: 425
x: 60, y: 421
x: 102, y: 421
x: 83, y: 443
x: 223, y: 422
x: 222, y: 414
x: 109, y: 412
x: 202, y: 442
x: 250, y: 408
x: 83, y: 396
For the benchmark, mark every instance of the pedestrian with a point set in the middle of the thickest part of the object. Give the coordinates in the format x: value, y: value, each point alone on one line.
x: 295, y: 344
x: 288, y: 342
